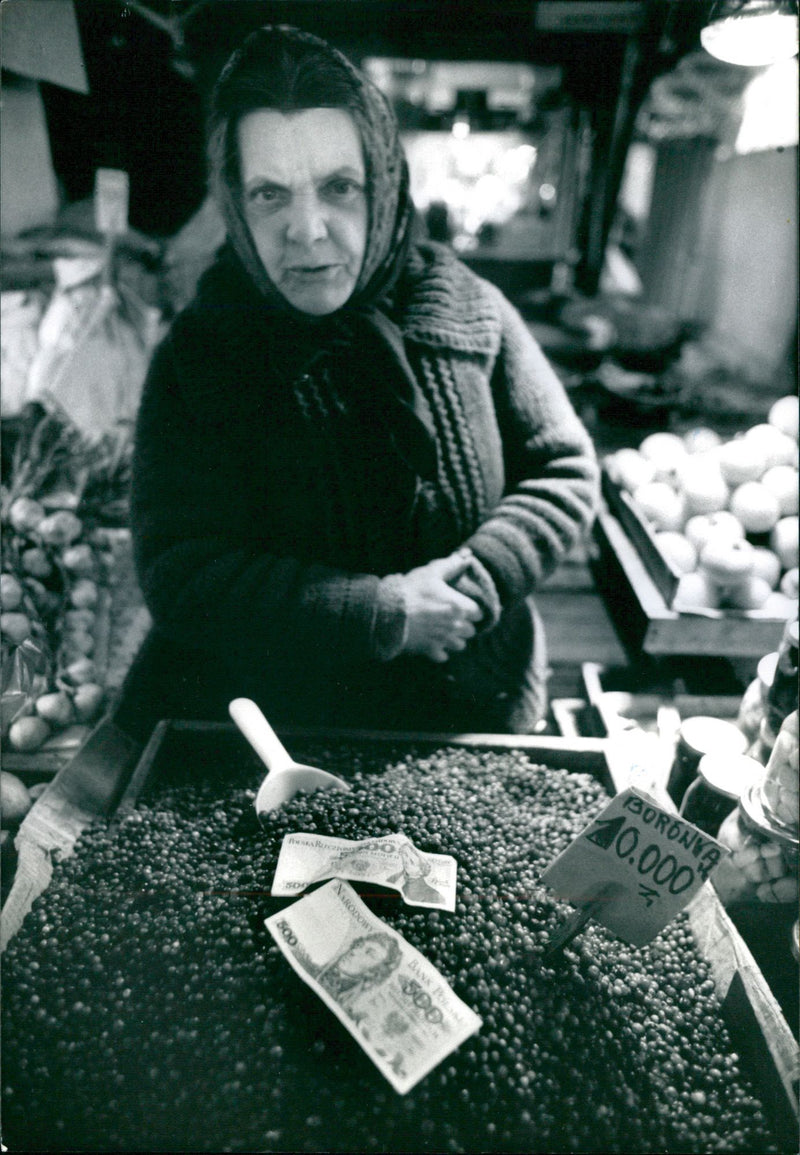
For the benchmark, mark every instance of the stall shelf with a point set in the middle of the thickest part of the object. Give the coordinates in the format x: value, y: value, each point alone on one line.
x: 621, y: 701
x: 753, y: 1017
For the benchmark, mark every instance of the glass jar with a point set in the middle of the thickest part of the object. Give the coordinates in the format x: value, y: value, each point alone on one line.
x: 754, y: 700
x: 781, y: 791
x: 697, y: 736
x: 762, y: 865
x: 782, y: 694
x: 721, y: 781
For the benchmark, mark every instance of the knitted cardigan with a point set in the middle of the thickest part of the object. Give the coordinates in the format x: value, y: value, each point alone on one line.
x: 267, y: 508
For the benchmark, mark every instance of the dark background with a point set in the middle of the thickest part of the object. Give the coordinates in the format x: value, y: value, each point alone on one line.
x: 150, y: 69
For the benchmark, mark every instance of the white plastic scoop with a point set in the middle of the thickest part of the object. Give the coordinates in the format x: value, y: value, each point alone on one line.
x: 285, y: 777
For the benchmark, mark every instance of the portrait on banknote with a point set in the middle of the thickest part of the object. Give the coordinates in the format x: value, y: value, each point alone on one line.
x: 412, y: 878
x: 365, y: 963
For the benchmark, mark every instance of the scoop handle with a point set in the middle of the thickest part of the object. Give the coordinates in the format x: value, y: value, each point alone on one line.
x: 258, y: 732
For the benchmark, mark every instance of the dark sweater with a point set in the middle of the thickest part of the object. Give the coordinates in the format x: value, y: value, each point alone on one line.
x: 277, y: 479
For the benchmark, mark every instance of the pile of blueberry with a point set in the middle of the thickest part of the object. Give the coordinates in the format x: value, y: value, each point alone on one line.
x: 147, y: 1008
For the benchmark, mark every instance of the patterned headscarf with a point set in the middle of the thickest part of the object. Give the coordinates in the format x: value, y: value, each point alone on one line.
x: 272, y: 70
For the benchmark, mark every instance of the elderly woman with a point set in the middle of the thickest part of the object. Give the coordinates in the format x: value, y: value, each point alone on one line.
x: 353, y: 463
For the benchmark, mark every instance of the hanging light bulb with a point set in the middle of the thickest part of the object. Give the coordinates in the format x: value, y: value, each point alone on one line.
x: 753, y: 33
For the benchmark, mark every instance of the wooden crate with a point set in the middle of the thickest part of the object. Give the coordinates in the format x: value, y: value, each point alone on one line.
x: 618, y: 709
x: 121, y: 626
x: 648, y: 624
x: 621, y: 504
x: 755, y: 1018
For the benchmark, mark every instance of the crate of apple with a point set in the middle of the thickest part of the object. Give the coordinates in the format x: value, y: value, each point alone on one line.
x: 722, y: 514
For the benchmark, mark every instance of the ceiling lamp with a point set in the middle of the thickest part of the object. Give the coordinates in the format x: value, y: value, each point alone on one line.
x: 751, y: 32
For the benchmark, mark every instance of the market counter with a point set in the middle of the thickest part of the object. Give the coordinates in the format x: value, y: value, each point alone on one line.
x: 152, y: 931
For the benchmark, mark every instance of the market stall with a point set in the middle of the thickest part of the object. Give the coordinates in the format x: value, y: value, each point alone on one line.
x: 583, y: 937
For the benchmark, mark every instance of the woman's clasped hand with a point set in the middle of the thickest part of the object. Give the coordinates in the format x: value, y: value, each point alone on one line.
x: 439, y: 620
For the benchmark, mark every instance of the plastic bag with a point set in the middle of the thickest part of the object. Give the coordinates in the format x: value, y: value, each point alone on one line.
x: 95, y: 344
x: 21, y: 314
x: 25, y: 677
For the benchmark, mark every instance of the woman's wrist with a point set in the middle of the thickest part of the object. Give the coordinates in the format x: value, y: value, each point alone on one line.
x: 391, y: 621
x: 476, y: 582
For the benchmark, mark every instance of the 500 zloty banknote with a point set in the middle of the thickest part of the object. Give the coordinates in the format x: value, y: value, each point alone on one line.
x: 393, y: 860
x: 393, y: 1002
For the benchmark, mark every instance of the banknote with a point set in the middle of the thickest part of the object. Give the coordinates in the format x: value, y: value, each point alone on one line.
x: 392, y: 860
x: 390, y: 998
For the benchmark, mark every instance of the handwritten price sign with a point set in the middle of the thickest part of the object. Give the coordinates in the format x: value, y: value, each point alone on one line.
x: 636, y: 865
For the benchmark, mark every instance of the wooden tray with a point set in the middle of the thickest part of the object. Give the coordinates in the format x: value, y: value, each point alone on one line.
x: 622, y: 505
x: 618, y: 709
x: 743, y: 993
x: 648, y: 624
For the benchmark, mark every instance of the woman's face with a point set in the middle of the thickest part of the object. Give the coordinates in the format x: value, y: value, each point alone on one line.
x: 303, y: 186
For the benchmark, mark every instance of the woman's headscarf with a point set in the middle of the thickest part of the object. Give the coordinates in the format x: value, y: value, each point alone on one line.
x: 289, y: 70
x: 286, y: 69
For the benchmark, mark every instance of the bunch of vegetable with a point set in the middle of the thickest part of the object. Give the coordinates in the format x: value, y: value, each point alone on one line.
x: 56, y: 565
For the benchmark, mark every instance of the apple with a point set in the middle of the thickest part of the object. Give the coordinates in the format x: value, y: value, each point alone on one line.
x: 36, y: 562
x: 782, y: 481
x: 790, y: 583
x: 672, y: 474
x: 783, y: 540
x: 28, y: 733
x: 80, y: 620
x: 677, y: 549
x: 696, y: 591
x: 11, y: 592
x: 660, y: 505
x: 778, y: 607
x: 700, y: 528
x: 702, y: 484
x: 84, y: 594
x: 78, y: 641
x: 80, y: 671
x: 79, y: 560
x: 25, y: 515
x: 749, y: 594
x: 767, y: 565
x: 741, y: 460
x: 629, y: 469
x: 755, y: 506
x: 55, y: 708
x: 726, y: 560
x: 776, y: 448
x: 88, y: 699
x: 15, y: 626
x: 700, y: 440
x: 662, y: 447
x: 60, y: 528
x: 14, y: 798
x: 783, y: 415
x: 663, y: 451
